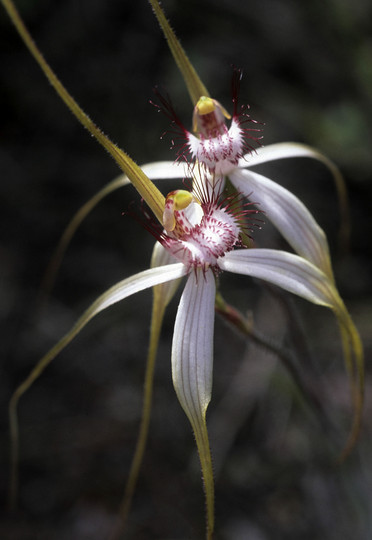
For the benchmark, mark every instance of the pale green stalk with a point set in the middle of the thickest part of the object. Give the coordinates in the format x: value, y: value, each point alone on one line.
x: 162, y: 295
x: 158, y: 310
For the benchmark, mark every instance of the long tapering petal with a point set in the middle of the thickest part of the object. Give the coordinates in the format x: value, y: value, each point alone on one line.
x: 288, y: 214
x: 297, y: 150
x: 141, y: 182
x: 290, y: 272
x: 299, y: 276
x: 118, y: 292
x: 192, y: 366
x: 192, y: 80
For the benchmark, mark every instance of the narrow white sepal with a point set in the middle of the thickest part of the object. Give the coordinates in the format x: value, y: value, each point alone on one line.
x: 133, y: 284
x: 283, y: 150
x: 289, y: 215
x: 120, y: 291
x: 166, y: 170
x: 286, y: 270
x: 192, y: 347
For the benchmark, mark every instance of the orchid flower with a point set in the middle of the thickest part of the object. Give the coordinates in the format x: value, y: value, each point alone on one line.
x: 201, y: 237
x: 227, y: 152
x: 221, y: 151
x: 199, y: 234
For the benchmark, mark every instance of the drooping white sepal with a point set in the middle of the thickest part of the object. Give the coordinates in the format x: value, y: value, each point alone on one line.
x: 286, y: 270
x: 192, y: 347
x: 289, y: 215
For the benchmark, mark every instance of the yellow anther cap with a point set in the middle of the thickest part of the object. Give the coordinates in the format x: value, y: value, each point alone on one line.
x: 205, y: 105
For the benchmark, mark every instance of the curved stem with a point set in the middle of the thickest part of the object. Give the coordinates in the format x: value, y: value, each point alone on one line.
x: 158, y: 310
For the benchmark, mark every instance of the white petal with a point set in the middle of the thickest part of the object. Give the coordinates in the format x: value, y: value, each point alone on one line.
x: 166, y: 170
x: 297, y: 150
x: 120, y: 291
x: 282, y: 151
x: 286, y: 270
x: 138, y: 282
x: 288, y: 214
x: 123, y: 289
x: 192, y: 347
x: 300, y: 277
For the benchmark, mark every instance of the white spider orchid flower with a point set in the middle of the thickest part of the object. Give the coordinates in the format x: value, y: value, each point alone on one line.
x: 223, y: 150
x: 228, y: 152
x: 201, y: 237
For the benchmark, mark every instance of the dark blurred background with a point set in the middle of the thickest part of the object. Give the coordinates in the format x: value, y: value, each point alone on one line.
x: 308, y: 78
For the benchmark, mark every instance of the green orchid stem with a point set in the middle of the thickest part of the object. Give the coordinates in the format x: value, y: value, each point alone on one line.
x: 245, y: 326
x: 192, y: 80
x: 158, y: 310
x: 143, y: 185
